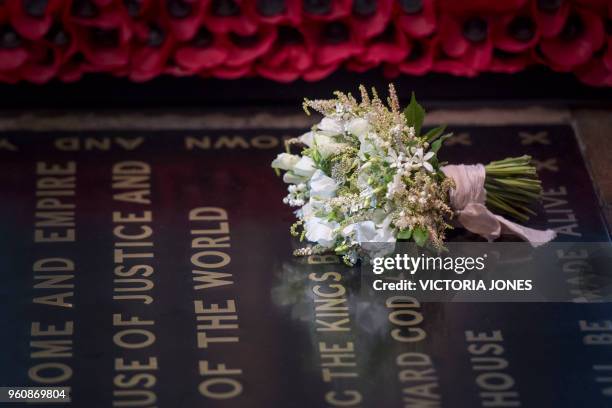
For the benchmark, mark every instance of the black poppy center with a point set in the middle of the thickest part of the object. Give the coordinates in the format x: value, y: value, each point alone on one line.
x: 335, y: 33
x: 9, y: 38
x: 156, y: 36
x: 225, y: 8
x: 35, y: 8
x: 364, y: 8
x: 522, y: 28
x: 84, y: 9
x: 411, y: 6
x: 475, y: 29
x: 289, y: 35
x: 203, y: 38
x: 573, y: 28
x: 179, y: 8
x: 549, y: 6
x: 317, y: 7
x: 269, y: 8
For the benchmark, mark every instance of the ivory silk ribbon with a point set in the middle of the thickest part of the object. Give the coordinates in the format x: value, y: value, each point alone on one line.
x: 468, y: 201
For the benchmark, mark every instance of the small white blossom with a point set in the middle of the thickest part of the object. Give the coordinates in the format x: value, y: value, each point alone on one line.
x: 420, y: 160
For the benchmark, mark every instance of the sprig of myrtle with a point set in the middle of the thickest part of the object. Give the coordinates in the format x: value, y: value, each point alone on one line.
x: 434, y: 138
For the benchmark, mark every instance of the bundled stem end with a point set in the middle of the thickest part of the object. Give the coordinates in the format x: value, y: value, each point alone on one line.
x: 512, y: 187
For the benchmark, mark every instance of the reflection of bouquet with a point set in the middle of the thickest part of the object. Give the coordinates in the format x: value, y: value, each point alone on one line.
x: 367, y: 174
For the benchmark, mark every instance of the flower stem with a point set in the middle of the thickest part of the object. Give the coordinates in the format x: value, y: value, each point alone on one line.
x: 512, y: 186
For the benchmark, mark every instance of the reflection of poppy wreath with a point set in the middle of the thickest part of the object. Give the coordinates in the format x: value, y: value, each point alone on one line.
x: 285, y: 40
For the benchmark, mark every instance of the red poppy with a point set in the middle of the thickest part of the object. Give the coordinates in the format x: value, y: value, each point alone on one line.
x: 465, y: 43
x: 334, y: 42
x: 13, y: 49
x: 102, y: 34
x: 152, y: 45
x: 326, y: 10
x: 598, y: 71
x: 509, y: 62
x: 244, y: 49
x: 224, y: 16
x: 33, y: 18
x: 391, y: 47
x: 582, y: 35
x: 44, y: 63
x: 274, y: 11
x: 420, y: 59
x: 416, y: 17
x: 184, y: 17
x: 515, y: 32
x: 73, y: 69
x: 205, y: 51
x: 288, y: 58
x: 550, y: 15
x: 370, y: 17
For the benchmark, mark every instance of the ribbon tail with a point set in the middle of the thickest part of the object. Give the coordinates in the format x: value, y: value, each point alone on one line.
x: 534, y: 236
x: 478, y: 219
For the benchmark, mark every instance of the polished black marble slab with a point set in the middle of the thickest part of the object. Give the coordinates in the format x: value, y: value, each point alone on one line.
x: 280, y: 354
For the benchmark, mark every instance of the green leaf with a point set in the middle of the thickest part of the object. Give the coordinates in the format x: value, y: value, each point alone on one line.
x: 405, y: 234
x: 435, y: 146
x: 415, y: 114
x: 420, y: 236
x: 434, y: 133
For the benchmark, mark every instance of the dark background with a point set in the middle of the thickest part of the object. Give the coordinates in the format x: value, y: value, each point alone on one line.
x: 97, y: 91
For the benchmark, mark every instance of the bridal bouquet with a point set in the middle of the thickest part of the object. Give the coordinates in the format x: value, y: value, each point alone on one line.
x: 368, y: 174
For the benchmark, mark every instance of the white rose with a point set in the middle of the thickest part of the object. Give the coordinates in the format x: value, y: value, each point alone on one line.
x: 322, y: 185
x: 285, y: 161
